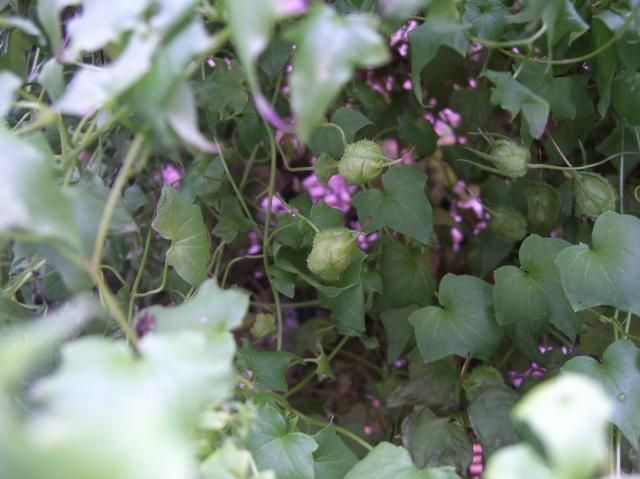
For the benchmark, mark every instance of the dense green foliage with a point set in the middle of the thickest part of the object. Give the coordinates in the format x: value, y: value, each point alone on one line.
x: 289, y: 239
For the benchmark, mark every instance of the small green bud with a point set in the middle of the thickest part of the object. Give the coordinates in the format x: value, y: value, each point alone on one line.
x: 508, y: 224
x: 332, y: 253
x: 509, y: 158
x: 325, y: 167
x: 594, y: 194
x: 361, y: 162
x: 543, y: 203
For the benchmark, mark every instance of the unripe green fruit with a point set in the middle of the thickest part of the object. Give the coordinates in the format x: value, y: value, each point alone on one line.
x: 594, y: 194
x: 509, y: 158
x: 361, y: 162
x: 543, y: 204
x: 332, y: 252
x: 508, y: 224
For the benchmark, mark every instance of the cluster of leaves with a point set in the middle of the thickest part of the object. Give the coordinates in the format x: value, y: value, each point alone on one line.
x: 155, y: 152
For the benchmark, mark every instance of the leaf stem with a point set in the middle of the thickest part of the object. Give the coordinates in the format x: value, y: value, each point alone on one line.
x: 265, y: 234
x: 114, y: 195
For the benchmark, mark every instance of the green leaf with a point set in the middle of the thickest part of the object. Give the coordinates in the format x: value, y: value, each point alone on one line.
x: 426, y: 40
x: 23, y: 346
x: 519, y: 461
x: 573, y: 430
x: 329, y: 48
x: 436, y: 441
x: 223, y: 92
x: 230, y: 462
x: 333, y: 459
x: 557, y: 91
x: 489, y: 413
x: 31, y: 201
x: 211, y: 309
x: 605, y: 62
x: 419, y: 132
x: 232, y: 220
x: 251, y: 25
x: 348, y: 306
x: 517, y: 98
x: 275, y: 445
x: 137, y: 405
x: 406, y: 277
x: 49, y: 17
x: 402, y: 206
x: 9, y: 83
x: 386, y: 461
x: 101, y: 23
x: 463, y: 325
x: 181, y: 222
x: 531, y: 296
x: 435, y: 384
x: 398, y: 330
x: 328, y: 138
x: 267, y: 367
x: 619, y: 374
x: 488, y: 18
x: 559, y: 17
x: 604, y: 274
x: 93, y: 86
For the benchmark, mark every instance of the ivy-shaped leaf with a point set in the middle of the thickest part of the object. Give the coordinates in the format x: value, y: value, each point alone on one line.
x: 276, y: 446
x: 210, y: 309
x: 267, y: 367
x: 606, y: 273
x: 406, y: 277
x: 223, y: 92
x: 181, y: 222
x: 517, y: 98
x: 436, y: 441
x: 398, y: 331
x: 557, y: 91
x: 487, y: 18
x: 386, y: 461
x: 559, y: 18
x: 32, y: 202
x: 329, y: 48
x: 402, y: 206
x: 426, y: 40
x: 463, y: 325
x: 619, y: 375
x: 252, y: 24
x: 490, y: 417
x: 532, y: 294
x: 333, y: 459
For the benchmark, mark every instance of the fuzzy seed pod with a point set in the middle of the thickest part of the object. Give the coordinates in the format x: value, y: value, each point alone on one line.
x: 508, y: 224
x: 332, y: 253
x: 506, y: 156
x: 543, y: 205
x: 594, y: 194
x: 361, y: 162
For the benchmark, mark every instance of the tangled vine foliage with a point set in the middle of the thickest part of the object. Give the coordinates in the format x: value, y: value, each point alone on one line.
x: 291, y: 239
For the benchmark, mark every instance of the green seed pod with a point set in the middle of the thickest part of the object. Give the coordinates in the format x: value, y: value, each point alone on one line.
x: 543, y: 204
x: 509, y: 158
x: 362, y: 162
x: 594, y: 194
x: 325, y: 167
x: 332, y: 253
x: 508, y: 224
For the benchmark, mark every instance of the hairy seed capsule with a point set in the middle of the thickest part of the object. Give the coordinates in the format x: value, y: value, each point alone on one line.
x: 508, y: 224
x: 509, y: 158
x: 543, y: 204
x: 594, y: 194
x: 332, y: 253
x: 361, y: 162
